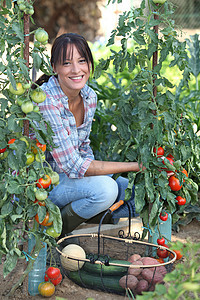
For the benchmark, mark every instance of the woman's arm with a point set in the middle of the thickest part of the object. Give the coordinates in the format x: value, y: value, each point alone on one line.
x: 97, y: 167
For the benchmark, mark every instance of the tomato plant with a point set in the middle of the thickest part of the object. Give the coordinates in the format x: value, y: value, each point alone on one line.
x: 46, y: 289
x: 21, y: 124
x: 44, y: 182
x: 160, y: 118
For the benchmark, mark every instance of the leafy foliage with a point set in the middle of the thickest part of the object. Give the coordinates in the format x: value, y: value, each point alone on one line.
x: 145, y: 116
x: 18, y: 176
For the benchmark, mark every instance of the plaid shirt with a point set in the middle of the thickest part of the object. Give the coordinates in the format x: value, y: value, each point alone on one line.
x: 73, y: 155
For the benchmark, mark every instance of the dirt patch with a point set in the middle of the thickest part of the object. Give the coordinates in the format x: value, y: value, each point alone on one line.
x: 71, y: 291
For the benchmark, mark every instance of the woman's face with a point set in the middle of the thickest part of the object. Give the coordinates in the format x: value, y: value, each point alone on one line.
x: 73, y: 73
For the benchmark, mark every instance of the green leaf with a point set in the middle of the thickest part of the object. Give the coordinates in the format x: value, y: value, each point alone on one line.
x: 6, y: 209
x: 139, y: 196
x: 16, y: 28
x: 14, y: 187
x: 194, y: 50
x: 37, y: 61
x: 10, y: 263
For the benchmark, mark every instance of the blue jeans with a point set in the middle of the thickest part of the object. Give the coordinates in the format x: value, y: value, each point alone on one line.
x: 90, y: 195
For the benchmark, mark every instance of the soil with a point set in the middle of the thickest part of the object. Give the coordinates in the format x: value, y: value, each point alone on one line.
x: 68, y: 290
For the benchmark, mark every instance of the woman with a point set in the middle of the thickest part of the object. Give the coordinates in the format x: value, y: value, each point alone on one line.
x: 85, y: 189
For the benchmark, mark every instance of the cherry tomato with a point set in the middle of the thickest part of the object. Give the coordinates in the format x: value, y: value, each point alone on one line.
x: 19, y: 89
x: 37, y: 157
x: 52, y: 272
x: 163, y: 253
x: 44, y: 182
x: 45, y: 221
x: 51, y: 231
x: 11, y: 141
x: 163, y: 216
x: 58, y: 280
x: 178, y: 254
x: 180, y: 200
x: 174, y: 183
x: 41, y: 194
x: 41, y: 35
x: 160, y: 260
x: 46, y: 289
x: 40, y: 146
x: 160, y: 151
x: 27, y: 107
x: 23, y: 138
x: 161, y: 241
x: 41, y: 203
x: 30, y: 157
x: 3, y: 150
x: 38, y: 95
x: 54, y: 177
x: 170, y: 155
x: 185, y: 172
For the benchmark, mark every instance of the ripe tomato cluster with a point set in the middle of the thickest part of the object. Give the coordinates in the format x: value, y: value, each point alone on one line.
x: 53, y: 275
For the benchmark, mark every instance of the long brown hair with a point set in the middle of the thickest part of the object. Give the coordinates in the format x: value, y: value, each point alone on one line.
x: 61, y: 46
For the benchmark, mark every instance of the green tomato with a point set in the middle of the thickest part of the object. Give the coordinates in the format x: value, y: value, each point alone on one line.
x: 160, y: 88
x: 30, y: 157
x: 54, y: 177
x: 3, y: 155
x: 27, y: 107
x: 19, y: 101
x: 159, y: 1
x: 38, y: 95
x: 25, y: 140
x: 26, y: 86
x: 36, y: 108
x: 52, y: 232
x: 41, y: 194
x: 37, y: 157
x: 19, y: 89
x: 41, y: 35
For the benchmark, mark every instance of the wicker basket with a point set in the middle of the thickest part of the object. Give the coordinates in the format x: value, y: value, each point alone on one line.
x: 106, y: 262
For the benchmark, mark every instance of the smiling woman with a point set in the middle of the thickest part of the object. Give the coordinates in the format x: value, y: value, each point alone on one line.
x: 85, y: 190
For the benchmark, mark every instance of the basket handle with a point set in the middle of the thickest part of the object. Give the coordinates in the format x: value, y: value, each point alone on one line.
x: 116, y: 205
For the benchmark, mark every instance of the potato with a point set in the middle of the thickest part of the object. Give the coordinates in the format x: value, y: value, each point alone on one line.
x: 128, y: 281
x: 134, y: 271
x: 150, y: 276
x: 153, y: 261
x: 134, y: 257
x: 142, y: 286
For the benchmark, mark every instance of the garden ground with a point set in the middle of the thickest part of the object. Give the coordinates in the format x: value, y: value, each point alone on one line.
x: 69, y: 290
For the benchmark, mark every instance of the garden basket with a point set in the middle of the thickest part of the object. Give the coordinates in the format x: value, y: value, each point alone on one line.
x: 120, y: 265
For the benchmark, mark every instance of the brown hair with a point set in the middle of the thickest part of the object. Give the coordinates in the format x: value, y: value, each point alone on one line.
x: 59, y: 51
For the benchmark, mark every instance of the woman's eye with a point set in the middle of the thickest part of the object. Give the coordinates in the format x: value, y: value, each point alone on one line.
x: 66, y: 63
x: 82, y: 60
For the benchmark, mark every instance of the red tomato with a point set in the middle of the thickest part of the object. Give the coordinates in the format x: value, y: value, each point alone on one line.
x: 45, y: 221
x: 46, y: 289
x: 161, y: 241
x: 185, y: 172
x: 160, y: 260
x: 41, y: 203
x: 44, y: 182
x: 52, y: 272
x: 160, y: 151
x: 11, y: 141
x: 180, y: 200
x: 174, y: 183
x: 162, y: 253
x: 58, y: 280
x: 3, y: 150
x: 170, y: 155
x: 39, y: 145
x: 163, y: 216
x: 178, y: 254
